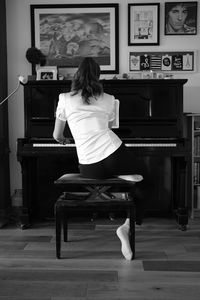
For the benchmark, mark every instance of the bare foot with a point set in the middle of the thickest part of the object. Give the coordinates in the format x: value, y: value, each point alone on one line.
x: 123, y: 235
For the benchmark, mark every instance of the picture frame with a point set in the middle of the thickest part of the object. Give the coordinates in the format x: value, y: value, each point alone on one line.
x: 46, y: 73
x: 143, y: 24
x: 184, y: 25
x: 147, y: 75
x: 184, y: 61
x: 66, y: 33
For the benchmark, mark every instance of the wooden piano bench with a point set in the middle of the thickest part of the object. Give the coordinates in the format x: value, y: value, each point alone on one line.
x: 89, y: 195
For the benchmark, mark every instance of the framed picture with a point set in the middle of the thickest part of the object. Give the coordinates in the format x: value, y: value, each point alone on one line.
x: 46, y: 73
x: 66, y: 33
x: 143, y: 24
x: 180, y: 18
x: 164, y: 61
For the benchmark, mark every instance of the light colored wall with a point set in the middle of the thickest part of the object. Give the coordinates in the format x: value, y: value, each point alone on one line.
x: 19, y: 40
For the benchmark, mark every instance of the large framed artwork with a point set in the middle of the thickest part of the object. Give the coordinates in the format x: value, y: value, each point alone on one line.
x: 181, y: 18
x: 67, y: 33
x: 143, y: 24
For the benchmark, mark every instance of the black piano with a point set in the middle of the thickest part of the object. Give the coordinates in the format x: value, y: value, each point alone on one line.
x: 152, y: 124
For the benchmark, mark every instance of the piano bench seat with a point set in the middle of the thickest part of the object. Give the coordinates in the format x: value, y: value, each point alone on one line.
x: 96, y: 196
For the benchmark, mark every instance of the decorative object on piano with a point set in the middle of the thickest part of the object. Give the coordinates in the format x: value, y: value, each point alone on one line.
x: 66, y: 33
x: 35, y: 57
x: 46, y: 73
x: 147, y: 74
x: 184, y: 25
x: 143, y: 24
x: 159, y: 75
x: 166, y: 61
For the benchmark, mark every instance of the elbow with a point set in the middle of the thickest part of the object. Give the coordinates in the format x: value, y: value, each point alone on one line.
x: 55, y: 136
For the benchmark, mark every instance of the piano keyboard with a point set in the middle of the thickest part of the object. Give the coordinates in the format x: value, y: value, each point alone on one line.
x: 151, y: 145
x: 52, y: 145
x: 126, y: 144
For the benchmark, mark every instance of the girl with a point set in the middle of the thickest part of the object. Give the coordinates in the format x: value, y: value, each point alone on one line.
x: 101, y: 153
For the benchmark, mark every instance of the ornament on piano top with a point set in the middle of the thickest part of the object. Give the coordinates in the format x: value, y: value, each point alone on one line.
x: 35, y: 56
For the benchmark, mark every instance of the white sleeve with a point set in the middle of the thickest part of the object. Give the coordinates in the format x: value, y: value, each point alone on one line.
x: 60, y: 111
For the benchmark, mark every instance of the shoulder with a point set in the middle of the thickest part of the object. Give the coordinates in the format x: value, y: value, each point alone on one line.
x: 65, y: 95
x: 108, y: 96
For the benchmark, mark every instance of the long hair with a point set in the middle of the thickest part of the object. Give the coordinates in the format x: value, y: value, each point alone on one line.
x: 86, y: 80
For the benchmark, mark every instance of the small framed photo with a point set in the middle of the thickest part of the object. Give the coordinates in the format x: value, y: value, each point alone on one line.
x: 181, y: 18
x: 147, y: 75
x: 46, y: 73
x: 143, y: 24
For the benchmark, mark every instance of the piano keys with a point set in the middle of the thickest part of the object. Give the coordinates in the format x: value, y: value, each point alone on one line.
x: 159, y: 136
x: 69, y: 145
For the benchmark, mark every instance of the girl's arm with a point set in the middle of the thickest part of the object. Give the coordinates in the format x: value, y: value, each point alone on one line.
x: 58, y: 132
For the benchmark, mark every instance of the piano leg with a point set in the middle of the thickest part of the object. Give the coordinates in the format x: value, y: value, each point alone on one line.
x: 28, y: 167
x: 181, y: 180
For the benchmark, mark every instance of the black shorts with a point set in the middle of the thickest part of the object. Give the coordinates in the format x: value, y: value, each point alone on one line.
x: 120, y: 162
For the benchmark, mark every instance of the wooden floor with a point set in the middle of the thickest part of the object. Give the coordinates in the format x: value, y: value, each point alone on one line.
x: 167, y: 263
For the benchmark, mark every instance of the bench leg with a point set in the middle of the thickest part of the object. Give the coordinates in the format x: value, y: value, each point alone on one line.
x: 65, y: 228
x: 58, y: 217
x: 132, y: 230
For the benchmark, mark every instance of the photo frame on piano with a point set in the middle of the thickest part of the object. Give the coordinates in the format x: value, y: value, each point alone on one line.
x: 46, y: 73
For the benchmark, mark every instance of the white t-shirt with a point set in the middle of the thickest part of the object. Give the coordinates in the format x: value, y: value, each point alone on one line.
x: 89, y: 125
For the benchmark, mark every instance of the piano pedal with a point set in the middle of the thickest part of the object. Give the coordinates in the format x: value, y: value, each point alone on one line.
x: 111, y: 216
x: 94, y: 217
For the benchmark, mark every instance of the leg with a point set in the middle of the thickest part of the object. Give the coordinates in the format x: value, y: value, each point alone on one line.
x: 134, y: 178
x: 132, y: 230
x: 123, y: 234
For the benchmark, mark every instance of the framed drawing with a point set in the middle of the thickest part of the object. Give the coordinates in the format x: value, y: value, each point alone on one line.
x: 143, y: 24
x: 181, y: 18
x: 65, y: 33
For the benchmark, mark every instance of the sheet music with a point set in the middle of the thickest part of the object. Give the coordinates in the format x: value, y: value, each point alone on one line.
x: 115, y: 122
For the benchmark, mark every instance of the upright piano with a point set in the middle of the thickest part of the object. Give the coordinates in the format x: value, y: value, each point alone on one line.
x: 151, y: 123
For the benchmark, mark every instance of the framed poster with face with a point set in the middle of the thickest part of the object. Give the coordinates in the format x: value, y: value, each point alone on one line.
x: 66, y: 33
x: 181, y: 18
x: 143, y: 24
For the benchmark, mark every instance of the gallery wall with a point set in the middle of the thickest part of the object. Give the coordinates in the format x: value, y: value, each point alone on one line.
x: 19, y: 40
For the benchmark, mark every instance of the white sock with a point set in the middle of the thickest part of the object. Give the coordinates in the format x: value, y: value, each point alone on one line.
x: 123, y: 234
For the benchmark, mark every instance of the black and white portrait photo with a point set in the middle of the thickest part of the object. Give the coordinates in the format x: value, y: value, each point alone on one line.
x: 180, y: 18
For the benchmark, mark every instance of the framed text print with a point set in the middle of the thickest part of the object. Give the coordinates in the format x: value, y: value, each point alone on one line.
x: 67, y: 33
x: 143, y: 24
